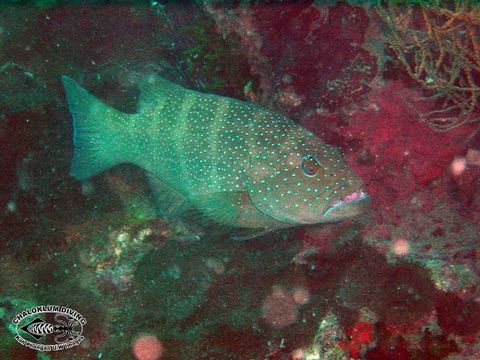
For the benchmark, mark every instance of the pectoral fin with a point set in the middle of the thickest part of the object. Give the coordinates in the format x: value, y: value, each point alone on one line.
x: 235, y: 209
x: 222, y: 207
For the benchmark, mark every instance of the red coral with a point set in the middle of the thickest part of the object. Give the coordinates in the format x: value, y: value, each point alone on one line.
x: 461, y: 317
x: 407, y: 156
x: 361, y: 335
x: 316, y: 51
x: 311, y: 54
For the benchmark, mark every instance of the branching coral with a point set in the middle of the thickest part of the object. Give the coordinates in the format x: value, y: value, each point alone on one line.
x: 439, y: 48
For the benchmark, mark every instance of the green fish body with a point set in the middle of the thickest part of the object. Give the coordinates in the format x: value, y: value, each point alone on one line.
x: 238, y: 163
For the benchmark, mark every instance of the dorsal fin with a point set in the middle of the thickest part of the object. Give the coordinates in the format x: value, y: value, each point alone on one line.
x: 155, y: 92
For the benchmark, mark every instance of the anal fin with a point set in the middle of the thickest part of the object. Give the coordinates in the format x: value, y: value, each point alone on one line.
x: 168, y: 201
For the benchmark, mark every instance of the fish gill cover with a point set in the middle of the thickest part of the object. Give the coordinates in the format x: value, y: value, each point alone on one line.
x: 119, y: 187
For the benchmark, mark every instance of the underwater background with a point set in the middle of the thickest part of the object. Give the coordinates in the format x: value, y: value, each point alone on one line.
x: 395, y: 85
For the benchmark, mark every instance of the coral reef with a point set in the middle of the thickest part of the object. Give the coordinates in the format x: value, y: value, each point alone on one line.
x: 401, y: 282
x: 438, y: 48
x: 306, y: 56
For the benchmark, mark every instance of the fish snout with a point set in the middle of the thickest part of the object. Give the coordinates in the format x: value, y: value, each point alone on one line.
x: 352, y: 204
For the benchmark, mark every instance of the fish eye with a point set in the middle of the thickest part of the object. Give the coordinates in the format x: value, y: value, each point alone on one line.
x: 310, y: 166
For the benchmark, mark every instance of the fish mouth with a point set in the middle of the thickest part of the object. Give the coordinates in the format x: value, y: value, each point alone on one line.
x: 350, y: 199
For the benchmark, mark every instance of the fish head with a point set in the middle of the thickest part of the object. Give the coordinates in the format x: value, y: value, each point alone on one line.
x: 305, y: 181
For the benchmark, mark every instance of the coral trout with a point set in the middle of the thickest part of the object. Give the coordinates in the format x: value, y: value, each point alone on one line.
x: 239, y: 164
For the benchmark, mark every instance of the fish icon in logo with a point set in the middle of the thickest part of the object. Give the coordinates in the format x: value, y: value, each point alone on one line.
x: 49, y: 327
x: 66, y: 328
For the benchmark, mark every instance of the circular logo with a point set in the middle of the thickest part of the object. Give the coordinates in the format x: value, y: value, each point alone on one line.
x: 49, y: 327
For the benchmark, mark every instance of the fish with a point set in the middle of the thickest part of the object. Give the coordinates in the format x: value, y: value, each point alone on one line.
x: 239, y: 164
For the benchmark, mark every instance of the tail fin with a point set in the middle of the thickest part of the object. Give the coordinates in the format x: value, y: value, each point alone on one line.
x: 97, y: 132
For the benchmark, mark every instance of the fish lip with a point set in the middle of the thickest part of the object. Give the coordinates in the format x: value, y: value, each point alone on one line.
x: 352, y: 198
